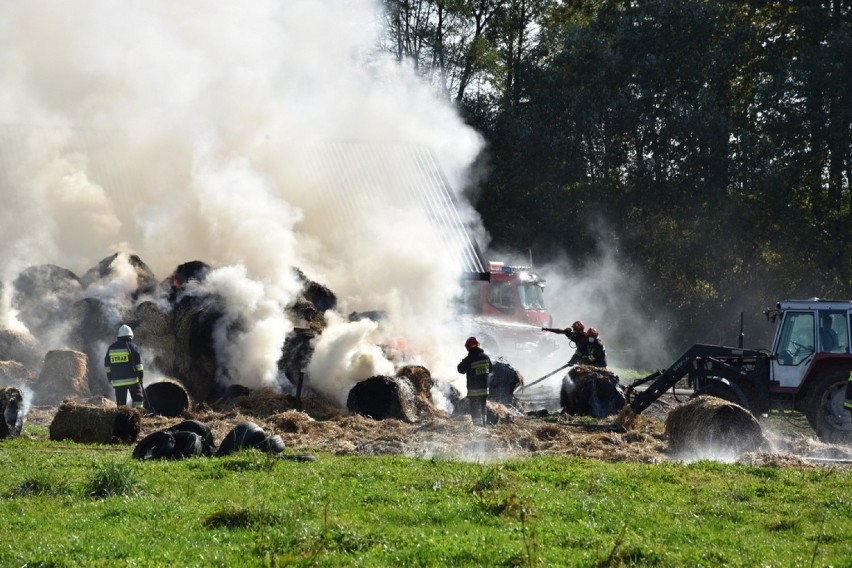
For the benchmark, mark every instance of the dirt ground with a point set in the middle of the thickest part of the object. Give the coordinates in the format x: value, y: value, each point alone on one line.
x: 517, y: 432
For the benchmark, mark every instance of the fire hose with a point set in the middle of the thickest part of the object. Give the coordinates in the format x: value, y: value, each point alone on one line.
x: 550, y: 374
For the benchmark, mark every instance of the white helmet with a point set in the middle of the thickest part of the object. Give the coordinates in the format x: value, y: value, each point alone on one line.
x: 125, y: 331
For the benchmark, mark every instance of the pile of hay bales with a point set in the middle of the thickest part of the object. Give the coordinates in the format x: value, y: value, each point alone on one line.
x: 98, y: 424
x: 710, y: 427
x: 591, y: 391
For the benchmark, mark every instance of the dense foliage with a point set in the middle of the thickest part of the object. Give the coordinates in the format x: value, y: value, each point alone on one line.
x: 707, y: 143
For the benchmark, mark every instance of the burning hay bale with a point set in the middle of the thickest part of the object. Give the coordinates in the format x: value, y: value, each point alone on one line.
x: 707, y: 426
x: 503, y: 382
x: 591, y: 391
x: 91, y: 424
x: 383, y: 397
x: 64, y: 375
x: 12, y: 412
x: 146, y: 282
x: 167, y: 397
x: 195, y: 358
x: 296, y: 354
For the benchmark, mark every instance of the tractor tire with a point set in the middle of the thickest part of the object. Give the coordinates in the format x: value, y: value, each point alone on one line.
x: 721, y: 390
x: 824, y: 407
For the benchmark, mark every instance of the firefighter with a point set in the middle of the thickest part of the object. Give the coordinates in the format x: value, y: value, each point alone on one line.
x: 577, y: 335
x: 477, y: 366
x: 123, y: 366
x: 596, y: 352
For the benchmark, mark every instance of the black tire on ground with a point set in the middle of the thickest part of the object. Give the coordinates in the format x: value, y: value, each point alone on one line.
x: 244, y: 435
x: 187, y: 445
x: 824, y: 407
x: 199, y: 428
x: 723, y: 391
x: 156, y: 446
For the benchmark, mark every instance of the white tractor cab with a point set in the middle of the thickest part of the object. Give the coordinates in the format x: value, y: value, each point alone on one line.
x: 811, y: 360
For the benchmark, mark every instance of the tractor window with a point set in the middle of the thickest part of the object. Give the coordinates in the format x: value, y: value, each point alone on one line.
x: 797, y: 338
x: 532, y: 297
x: 833, y: 332
x: 500, y: 295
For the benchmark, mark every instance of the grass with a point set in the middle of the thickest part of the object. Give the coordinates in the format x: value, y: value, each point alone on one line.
x: 72, y: 505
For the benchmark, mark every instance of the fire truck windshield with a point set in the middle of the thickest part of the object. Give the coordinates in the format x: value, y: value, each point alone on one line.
x: 532, y: 297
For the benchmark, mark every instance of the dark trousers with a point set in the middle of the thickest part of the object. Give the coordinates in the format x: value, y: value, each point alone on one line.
x: 135, y: 395
x: 478, y: 412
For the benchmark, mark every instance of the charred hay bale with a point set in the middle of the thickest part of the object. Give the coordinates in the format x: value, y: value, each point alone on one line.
x: 21, y: 347
x: 89, y: 424
x: 13, y: 373
x: 167, y: 397
x: 296, y: 353
x: 43, y: 295
x: 591, y: 391
x: 64, y: 375
x: 503, y: 382
x: 12, y: 412
x: 707, y: 426
x: 383, y: 397
x: 309, y: 307
x: 154, y: 332
x: 106, y: 269
x: 195, y: 356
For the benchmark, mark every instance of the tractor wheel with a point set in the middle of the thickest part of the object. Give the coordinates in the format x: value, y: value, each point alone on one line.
x: 824, y: 407
x: 721, y: 390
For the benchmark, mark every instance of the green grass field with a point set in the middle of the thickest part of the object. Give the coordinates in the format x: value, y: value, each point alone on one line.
x: 65, y: 504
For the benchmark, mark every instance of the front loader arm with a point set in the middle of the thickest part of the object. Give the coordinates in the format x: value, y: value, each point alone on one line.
x: 661, y: 381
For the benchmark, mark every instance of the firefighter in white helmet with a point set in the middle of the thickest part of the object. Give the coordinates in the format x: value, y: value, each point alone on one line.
x: 477, y: 367
x: 123, y: 366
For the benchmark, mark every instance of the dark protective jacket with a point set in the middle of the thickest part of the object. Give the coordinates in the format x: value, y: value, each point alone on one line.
x: 477, y: 367
x: 595, y: 353
x: 123, y: 364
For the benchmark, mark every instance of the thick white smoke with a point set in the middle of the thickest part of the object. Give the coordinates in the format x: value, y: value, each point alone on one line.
x: 191, y: 131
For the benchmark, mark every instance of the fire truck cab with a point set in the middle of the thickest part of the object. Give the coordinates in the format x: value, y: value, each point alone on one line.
x: 508, y: 311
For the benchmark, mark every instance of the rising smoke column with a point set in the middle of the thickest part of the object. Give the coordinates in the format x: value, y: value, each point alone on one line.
x: 186, y: 130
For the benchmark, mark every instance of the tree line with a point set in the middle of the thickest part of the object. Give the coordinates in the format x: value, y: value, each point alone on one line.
x: 708, y: 143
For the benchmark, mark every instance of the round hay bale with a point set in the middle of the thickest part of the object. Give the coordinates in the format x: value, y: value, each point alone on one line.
x: 87, y: 424
x: 64, y: 375
x: 195, y: 355
x: 710, y: 427
x: 167, y: 397
x: 12, y: 412
x: 591, y: 391
x: 383, y: 397
x: 146, y: 282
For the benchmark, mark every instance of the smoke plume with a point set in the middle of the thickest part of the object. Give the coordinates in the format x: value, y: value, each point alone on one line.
x: 198, y: 130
